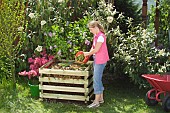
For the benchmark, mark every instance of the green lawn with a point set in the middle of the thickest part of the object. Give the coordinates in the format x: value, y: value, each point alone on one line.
x: 121, y: 96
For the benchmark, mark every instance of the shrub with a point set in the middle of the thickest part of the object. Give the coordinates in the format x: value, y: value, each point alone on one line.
x: 11, y: 36
x: 133, y: 52
x: 66, y: 40
x: 139, y: 55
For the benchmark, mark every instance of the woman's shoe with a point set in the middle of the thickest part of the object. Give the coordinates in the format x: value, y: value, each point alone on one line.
x: 93, y: 105
x: 101, y: 101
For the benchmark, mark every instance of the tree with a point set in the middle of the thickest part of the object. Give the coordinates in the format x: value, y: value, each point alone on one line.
x: 129, y: 9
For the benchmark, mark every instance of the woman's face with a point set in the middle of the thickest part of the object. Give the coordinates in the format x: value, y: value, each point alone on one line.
x: 92, y: 30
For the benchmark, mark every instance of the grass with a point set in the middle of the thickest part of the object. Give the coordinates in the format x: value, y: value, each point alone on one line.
x: 121, y: 96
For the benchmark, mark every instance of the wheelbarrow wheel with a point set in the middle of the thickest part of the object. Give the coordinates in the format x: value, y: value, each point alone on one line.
x: 166, y: 103
x: 151, y: 102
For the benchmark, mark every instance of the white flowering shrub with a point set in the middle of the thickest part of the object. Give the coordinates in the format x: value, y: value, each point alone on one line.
x: 132, y: 53
x: 139, y: 55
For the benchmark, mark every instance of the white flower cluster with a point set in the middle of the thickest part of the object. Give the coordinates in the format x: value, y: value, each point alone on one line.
x: 39, y: 48
x: 60, y: 1
x: 110, y: 19
x: 32, y: 15
x: 43, y: 22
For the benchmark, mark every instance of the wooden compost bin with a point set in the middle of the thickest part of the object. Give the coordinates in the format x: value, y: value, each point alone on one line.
x: 66, y: 84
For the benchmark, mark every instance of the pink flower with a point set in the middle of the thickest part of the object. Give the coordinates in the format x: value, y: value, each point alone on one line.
x: 43, y: 60
x: 50, y: 57
x: 24, y: 73
x: 33, y: 72
x: 38, y: 61
x: 43, y: 53
x: 87, y: 42
x: 30, y: 60
x: 33, y: 66
x: 35, y: 63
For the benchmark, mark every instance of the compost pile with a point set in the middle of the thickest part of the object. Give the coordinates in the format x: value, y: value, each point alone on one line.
x: 69, y: 66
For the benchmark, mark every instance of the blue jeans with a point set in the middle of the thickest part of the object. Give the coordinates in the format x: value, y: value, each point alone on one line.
x: 97, y: 78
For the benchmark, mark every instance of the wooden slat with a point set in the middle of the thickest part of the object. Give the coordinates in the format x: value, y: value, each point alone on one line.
x: 63, y: 88
x: 64, y: 96
x: 91, y: 95
x: 47, y: 64
x: 89, y: 66
x: 61, y: 80
x: 64, y: 72
x: 90, y: 89
x: 90, y: 81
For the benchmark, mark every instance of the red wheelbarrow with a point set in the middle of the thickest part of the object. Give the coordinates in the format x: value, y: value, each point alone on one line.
x: 161, y: 86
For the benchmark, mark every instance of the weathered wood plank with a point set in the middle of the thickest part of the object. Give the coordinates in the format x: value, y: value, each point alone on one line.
x: 64, y: 72
x: 90, y: 89
x: 90, y: 63
x: 63, y: 88
x: 47, y: 64
x: 61, y: 80
x: 64, y: 96
x: 90, y: 81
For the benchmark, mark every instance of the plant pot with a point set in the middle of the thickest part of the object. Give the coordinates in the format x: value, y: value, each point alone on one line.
x: 86, y: 58
x: 34, y: 89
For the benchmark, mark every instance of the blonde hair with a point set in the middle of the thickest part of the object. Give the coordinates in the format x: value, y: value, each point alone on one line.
x: 96, y: 24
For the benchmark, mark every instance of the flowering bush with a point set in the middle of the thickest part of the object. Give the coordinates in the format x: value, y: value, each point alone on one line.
x: 66, y: 40
x: 38, y: 59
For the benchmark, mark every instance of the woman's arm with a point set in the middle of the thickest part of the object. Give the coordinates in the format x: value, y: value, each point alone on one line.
x: 93, y: 51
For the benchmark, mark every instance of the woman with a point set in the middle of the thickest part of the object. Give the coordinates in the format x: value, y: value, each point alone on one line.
x: 100, y: 56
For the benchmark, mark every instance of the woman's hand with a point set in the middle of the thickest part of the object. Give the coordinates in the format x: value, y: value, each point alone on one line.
x: 86, y: 53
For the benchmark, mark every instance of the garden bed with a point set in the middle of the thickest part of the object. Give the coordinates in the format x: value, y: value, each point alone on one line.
x: 66, y: 80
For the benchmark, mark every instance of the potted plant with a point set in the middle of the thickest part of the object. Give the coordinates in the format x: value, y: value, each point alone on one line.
x: 38, y: 59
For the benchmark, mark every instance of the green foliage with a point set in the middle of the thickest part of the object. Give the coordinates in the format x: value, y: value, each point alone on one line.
x: 140, y: 56
x: 60, y: 26
x: 164, y: 15
x: 164, y: 22
x: 131, y: 53
x: 54, y: 24
x: 11, y: 36
x: 164, y: 8
x: 129, y: 9
x: 64, y: 41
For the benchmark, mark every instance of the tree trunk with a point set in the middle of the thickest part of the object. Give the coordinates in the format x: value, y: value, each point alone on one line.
x: 144, y: 13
